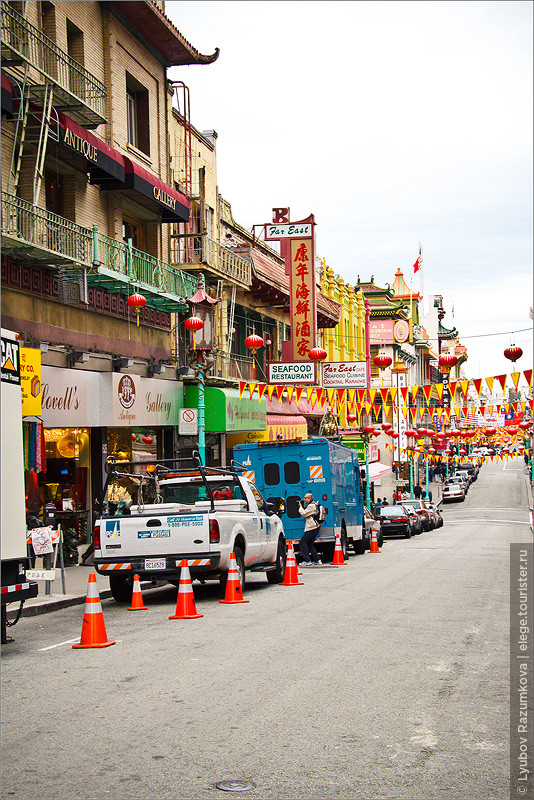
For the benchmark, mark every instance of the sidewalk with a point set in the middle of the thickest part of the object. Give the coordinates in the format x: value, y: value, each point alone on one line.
x: 76, y: 579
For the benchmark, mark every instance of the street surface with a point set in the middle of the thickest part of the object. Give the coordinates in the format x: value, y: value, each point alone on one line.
x: 384, y: 678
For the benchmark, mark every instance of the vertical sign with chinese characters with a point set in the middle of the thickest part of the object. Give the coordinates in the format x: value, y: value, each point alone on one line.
x: 302, y: 300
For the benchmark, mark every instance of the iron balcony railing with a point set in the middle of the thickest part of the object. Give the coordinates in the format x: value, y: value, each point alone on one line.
x: 134, y: 266
x: 49, y: 239
x: 45, y: 236
x: 75, y: 88
x: 235, y: 367
x: 200, y: 249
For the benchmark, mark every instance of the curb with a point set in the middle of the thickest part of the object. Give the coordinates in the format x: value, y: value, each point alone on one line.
x: 56, y: 605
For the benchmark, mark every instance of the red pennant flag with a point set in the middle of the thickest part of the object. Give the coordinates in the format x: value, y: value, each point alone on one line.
x: 361, y: 395
x: 384, y: 395
x: 502, y: 380
x: 427, y: 391
x: 280, y: 392
x: 528, y: 376
x: 242, y: 387
x: 319, y: 394
x: 290, y: 390
x: 298, y: 393
x: 478, y: 385
x: 261, y: 390
x: 404, y: 392
x: 340, y: 395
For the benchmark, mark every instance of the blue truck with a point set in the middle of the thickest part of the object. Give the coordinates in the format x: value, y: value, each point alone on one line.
x: 285, y: 471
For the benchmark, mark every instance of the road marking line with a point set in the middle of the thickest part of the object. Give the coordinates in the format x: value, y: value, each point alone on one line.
x: 51, y: 647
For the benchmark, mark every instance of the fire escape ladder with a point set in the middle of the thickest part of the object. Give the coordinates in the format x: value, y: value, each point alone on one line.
x: 184, y: 109
x: 231, y: 318
x: 43, y: 139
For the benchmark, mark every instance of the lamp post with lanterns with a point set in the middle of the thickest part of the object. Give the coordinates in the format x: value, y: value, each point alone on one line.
x: 399, y: 369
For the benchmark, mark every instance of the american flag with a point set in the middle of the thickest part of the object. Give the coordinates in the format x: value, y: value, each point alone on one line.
x: 472, y: 418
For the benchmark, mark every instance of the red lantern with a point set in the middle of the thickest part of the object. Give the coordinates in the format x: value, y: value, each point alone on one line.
x: 512, y: 431
x: 194, y: 323
x: 351, y: 418
x: 447, y: 361
x: 146, y: 439
x: 421, y: 431
x: 524, y: 425
x: 136, y: 301
x: 253, y: 342
x: 462, y: 452
x: 490, y: 431
x: 369, y: 430
x: 382, y: 361
x: 431, y: 450
x: 317, y: 354
x: 513, y: 352
x: 386, y: 425
x: 393, y: 434
x: 411, y: 433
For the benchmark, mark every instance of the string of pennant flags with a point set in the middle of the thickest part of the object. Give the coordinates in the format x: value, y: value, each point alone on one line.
x: 439, y: 458
x: 362, y: 400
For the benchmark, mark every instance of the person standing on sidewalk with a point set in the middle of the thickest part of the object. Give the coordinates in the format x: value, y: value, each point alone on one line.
x: 308, y: 509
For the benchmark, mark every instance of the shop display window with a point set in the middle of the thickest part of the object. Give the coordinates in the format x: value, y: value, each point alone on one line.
x: 66, y: 480
x: 139, y: 447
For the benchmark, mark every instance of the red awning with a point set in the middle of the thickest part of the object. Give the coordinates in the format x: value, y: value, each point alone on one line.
x: 7, y: 96
x: 285, y: 419
x: 105, y: 163
x: 173, y: 205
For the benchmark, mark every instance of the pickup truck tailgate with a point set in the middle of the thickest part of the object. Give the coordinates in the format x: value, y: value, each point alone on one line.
x: 138, y: 535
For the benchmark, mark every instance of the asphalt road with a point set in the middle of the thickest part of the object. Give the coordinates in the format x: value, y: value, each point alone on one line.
x: 384, y: 678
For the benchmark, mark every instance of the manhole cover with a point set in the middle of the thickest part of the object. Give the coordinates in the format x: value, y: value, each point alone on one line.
x: 235, y: 786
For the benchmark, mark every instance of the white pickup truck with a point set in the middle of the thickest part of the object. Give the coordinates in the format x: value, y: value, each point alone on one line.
x: 201, y: 514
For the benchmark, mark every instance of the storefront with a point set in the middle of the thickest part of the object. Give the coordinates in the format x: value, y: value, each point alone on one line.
x: 90, y: 416
x: 226, y: 414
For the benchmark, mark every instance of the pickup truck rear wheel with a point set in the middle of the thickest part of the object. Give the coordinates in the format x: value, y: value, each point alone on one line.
x: 121, y: 588
x: 277, y: 575
x: 240, y: 564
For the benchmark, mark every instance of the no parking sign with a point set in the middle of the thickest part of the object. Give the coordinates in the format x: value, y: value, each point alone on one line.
x: 188, y: 422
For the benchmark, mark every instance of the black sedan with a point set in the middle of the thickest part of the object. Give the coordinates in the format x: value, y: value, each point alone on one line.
x: 395, y: 520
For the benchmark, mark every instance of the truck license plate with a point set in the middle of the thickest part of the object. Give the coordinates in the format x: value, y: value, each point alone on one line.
x: 154, y: 563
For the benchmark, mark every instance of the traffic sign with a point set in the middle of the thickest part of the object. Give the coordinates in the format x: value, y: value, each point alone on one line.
x: 188, y: 421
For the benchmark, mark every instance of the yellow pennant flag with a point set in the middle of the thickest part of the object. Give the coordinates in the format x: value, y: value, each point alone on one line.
x: 489, y: 381
x: 393, y: 394
x: 330, y: 393
x: 415, y: 389
x: 270, y: 391
x: 439, y: 389
x: 352, y: 395
x: 464, y: 385
x: 372, y: 395
x: 368, y: 407
x: 251, y: 389
x: 404, y: 411
x: 515, y: 377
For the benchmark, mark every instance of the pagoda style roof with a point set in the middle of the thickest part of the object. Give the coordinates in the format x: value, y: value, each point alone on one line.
x: 401, y: 289
x: 158, y: 33
x: 382, y: 304
x: 447, y: 333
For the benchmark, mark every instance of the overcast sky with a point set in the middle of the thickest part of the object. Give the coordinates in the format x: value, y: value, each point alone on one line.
x: 395, y: 123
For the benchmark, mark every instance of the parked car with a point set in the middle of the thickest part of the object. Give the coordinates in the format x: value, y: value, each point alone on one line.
x: 435, y: 512
x: 395, y: 520
x: 371, y: 522
x: 463, y: 482
x: 465, y: 473
x: 453, y: 493
x: 421, y: 510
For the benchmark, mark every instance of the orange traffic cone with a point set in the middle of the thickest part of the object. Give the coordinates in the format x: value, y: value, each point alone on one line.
x: 137, y: 597
x: 291, y: 572
x: 185, y: 602
x: 233, y: 592
x: 338, y: 560
x: 374, y: 543
x: 93, y: 628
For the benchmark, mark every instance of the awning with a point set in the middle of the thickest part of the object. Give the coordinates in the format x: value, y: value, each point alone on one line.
x: 105, y: 163
x: 7, y: 96
x: 173, y: 205
x: 225, y: 411
x: 377, y: 470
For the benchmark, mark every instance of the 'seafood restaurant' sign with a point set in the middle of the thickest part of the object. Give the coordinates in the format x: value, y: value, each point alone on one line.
x: 289, y: 372
x: 345, y: 375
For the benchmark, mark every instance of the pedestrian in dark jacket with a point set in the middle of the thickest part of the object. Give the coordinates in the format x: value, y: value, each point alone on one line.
x: 308, y: 509
x: 417, y: 491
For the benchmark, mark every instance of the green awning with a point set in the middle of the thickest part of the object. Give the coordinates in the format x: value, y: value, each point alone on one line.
x: 225, y: 411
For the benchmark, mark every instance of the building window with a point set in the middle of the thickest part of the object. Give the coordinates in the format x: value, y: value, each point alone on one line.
x: 134, y: 229
x: 137, y: 114
x: 75, y: 51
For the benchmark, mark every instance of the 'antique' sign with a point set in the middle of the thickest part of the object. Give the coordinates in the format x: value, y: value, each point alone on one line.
x: 345, y: 375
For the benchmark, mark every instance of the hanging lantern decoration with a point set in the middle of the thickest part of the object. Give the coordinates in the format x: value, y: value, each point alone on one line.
x: 524, y: 425
x: 194, y: 324
x: 513, y: 353
x: 393, y: 434
x: 351, y: 418
x: 446, y: 362
x: 317, y: 354
x: 386, y: 425
x: 512, y: 430
x: 421, y: 431
x: 462, y: 452
x: 253, y: 342
x: 382, y: 361
x: 490, y: 431
x: 369, y: 430
x: 411, y: 433
x: 136, y: 301
x: 431, y: 450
